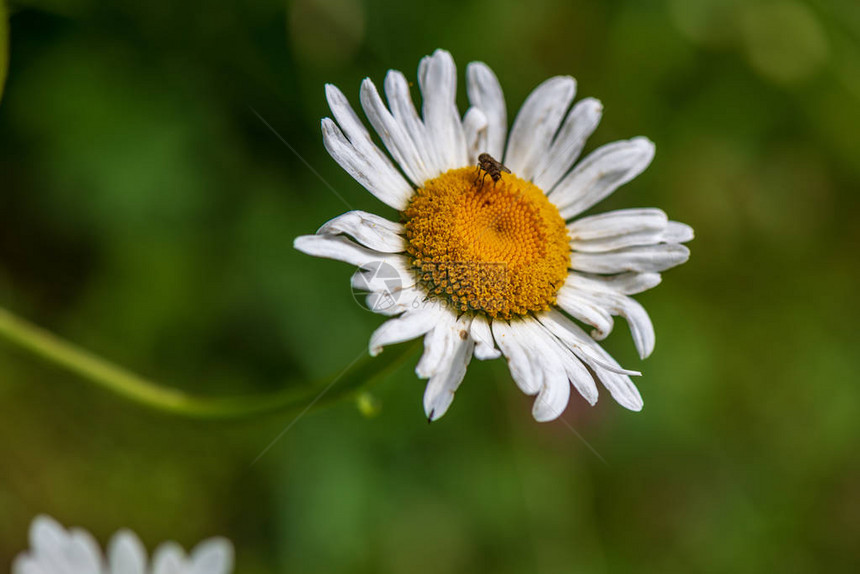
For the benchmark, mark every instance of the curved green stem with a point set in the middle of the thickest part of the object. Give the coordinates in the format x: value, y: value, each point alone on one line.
x: 128, y: 385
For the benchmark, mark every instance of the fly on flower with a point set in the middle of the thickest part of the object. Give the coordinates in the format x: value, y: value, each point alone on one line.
x: 507, y: 269
x: 488, y: 165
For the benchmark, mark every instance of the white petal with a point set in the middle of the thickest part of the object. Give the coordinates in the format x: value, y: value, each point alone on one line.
x: 485, y: 93
x: 619, y: 222
x: 393, y: 135
x: 537, y: 365
x: 57, y: 551
x: 584, y: 309
x: 617, y: 381
x: 360, y: 138
x: 394, y: 302
x: 581, y: 378
x: 601, y: 173
x: 646, y: 258
x: 410, y: 325
x: 50, y: 543
x: 46, y: 535
x: 520, y: 355
x: 607, y: 369
x: 624, y: 283
x: 485, y: 347
x: 383, y: 303
x: 580, y: 123
x: 641, y: 327
x: 622, y: 390
x: 370, y: 230
x: 342, y: 249
x: 536, y: 124
x: 555, y: 390
x: 640, y: 324
x: 169, y: 558
x: 439, y: 345
x: 677, y: 232
x: 546, y: 359
x: 444, y: 383
x: 578, y: 375
x: 615, y: 302
x: 213, y: 556
x: 626, y: 228
x: 384, y: 276
x: 375, y: 173
x: 24, y: 564
x: 580, y: 343
x: 618, y: 242
x: 437, y: 77
x: 403, y: 110
x: 475, y: 126
x: 83, y: 553
x: 552, y: 399
x: 126, y: 554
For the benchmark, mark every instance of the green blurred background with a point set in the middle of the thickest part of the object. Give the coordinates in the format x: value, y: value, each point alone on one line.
x: 147, y: 213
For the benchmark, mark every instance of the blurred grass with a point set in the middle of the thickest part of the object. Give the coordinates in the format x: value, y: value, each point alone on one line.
x: 147, y: 214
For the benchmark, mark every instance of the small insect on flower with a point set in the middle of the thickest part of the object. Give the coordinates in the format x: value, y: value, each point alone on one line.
x: 488, y: 165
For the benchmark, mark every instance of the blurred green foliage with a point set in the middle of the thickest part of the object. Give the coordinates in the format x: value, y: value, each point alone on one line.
x: 148, y: 214
x: 4, y: 46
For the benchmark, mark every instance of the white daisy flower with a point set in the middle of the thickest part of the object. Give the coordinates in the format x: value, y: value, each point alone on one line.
x: 497, y: 263
x: 55, y: 550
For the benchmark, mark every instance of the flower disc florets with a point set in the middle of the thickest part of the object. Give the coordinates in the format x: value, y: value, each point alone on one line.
x: 500, y: 248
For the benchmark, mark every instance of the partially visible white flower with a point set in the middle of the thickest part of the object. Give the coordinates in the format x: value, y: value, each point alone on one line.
x: 55, y: 550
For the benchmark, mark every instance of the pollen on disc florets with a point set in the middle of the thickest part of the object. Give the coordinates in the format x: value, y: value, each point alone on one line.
x: 500, y: 248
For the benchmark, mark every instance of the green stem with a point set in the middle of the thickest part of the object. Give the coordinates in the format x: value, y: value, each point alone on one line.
x: 47, y: 346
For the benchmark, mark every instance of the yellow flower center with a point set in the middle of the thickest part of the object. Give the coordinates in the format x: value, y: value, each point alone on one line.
x: 500, y: 248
